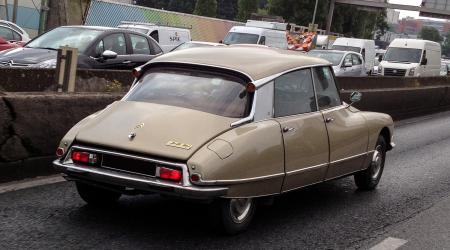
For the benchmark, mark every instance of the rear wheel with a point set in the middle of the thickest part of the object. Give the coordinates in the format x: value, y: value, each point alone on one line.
x: 97, y: 196
x: 369, y: 178
x: 234, y: 215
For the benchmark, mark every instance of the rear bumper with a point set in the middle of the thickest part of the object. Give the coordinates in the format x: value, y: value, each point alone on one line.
x: 111, y: 177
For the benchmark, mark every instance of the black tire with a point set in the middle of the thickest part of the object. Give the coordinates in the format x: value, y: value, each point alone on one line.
x: 226, y: 219
x: 96, y: 196
x: 369, y: 178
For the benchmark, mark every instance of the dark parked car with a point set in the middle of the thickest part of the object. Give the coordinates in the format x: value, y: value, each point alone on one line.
x: 98, y: 48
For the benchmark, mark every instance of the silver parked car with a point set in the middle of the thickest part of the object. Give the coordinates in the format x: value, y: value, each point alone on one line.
x: 345, y: 63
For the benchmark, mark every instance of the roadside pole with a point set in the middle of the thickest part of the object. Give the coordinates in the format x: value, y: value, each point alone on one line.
x: 330, y: 16
x: 66, y: 69
x: 315, y: 11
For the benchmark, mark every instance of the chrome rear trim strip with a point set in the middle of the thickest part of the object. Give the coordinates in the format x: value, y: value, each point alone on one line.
x: 184, y: 168
x: 239, y: 181
x: 138, y: 182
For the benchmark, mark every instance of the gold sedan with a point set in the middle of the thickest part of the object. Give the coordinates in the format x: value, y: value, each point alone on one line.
x: 226, y: 125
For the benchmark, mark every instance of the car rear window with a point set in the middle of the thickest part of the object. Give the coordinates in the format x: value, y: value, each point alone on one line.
x: 215, y: 93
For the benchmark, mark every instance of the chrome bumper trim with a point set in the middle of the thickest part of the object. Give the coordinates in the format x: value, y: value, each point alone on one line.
x: 99, y: 175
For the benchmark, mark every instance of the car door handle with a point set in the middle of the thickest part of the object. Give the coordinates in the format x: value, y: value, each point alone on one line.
x: 126, y: 62
x: 288, y: 129
x: 329, y: 119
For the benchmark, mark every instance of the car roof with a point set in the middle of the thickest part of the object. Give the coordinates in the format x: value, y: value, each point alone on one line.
x: 330, y: 51
x: 88, y: 27
x: 207, y: 43
x: 337, y: 51
x: 105, y: 29
x: 256, y: 63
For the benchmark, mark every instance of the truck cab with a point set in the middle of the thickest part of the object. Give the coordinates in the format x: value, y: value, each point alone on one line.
x: 168, y: 37
x: 271, y: 34
x: 363, y: 46
x: 411, y: 57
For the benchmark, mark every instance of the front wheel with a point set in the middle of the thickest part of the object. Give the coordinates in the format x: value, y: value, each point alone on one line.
x: 235, y: 214
x: 369, y: 178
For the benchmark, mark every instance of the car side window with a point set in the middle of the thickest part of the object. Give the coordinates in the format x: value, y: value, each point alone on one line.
x: 326, y: 90
x: 155, y: 35
x: 6, y: 33
x: 262, y: 40
x: 155, y: 48
x: 113, y: 42
x: 356, y: 60
x: 294, y: 94
x: 348, y: 59
x: 16, y: 36
x: 139, y: 44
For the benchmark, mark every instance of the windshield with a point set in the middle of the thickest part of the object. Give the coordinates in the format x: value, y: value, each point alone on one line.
x: 241, y: 38
x: 208, y: 92
x: 333, y: 57
x: 74, y: 37
x: 407, y: 55
x: 347, y: 48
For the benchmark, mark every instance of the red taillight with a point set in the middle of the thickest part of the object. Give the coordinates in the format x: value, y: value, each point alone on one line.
x: 60, y: 152
x: 136, y: 72
x: 84, y: 157
x: 251, y: 88
x: 195, y: 177
x: 169, y: 174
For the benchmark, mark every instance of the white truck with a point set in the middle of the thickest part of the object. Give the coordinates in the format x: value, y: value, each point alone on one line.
x: 363, y: 46
x: 167, y: 37
x: 411, y: 57
x: 271, y: 34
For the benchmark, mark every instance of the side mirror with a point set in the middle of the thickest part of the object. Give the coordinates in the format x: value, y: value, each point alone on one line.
x: 424, y: 61
x: 355, y: 97
x: 380, y: 58
x: 108, y: 54
x: 348, y: 64
x: 3, y: 41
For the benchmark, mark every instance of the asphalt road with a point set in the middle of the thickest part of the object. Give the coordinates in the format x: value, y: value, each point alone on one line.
x: 332, y: 215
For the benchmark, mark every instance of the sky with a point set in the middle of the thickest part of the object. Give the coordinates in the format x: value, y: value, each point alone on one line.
x: 405, y: 13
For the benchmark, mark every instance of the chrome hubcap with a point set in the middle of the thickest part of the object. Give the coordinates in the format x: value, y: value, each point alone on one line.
x: 240, y: 208
x: 377, y: 161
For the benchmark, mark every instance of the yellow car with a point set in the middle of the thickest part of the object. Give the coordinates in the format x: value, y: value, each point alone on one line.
x: 227, y: 125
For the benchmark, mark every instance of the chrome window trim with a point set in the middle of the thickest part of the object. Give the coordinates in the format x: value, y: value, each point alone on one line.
x: 258, y: 83
x: 263, y: 81
x: 251, y: 116
x: 264, y: 102
x: 337, y: 89
x: 314, y: 91
x: 184, y: 167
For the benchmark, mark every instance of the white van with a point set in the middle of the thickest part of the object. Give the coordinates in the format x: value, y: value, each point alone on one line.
x: 271, y: 34
x: 167, y: 37
x: 363, y: 46
x: 323, y: 42
x: 411, y: 57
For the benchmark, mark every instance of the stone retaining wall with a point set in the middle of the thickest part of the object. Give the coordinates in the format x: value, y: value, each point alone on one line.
x: 33, y: 124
